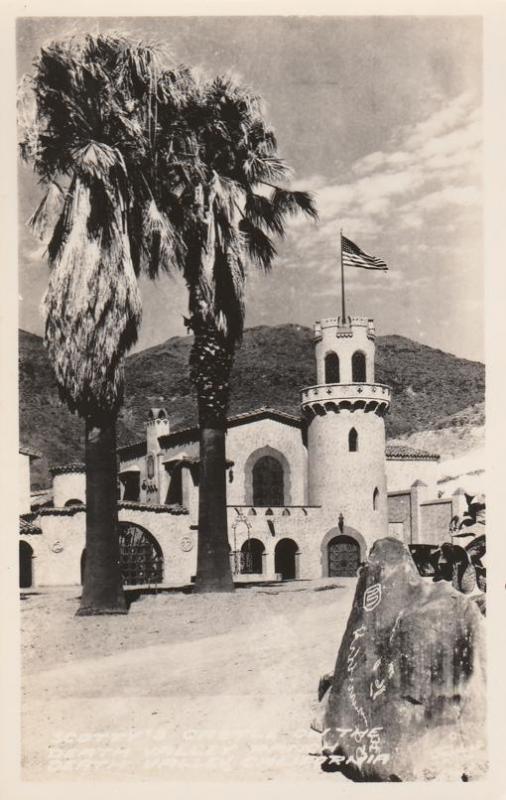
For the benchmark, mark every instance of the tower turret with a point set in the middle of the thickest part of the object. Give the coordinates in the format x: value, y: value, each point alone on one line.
x: 154, y: 481
x: 346, y: 431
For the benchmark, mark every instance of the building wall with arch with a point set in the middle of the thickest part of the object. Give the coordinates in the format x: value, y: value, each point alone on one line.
x: 344, y: 481
x: 246, y: 443
x: 69, y: 485
x: 337, y: 531
x: 310, y: 528
x: 57, y: 551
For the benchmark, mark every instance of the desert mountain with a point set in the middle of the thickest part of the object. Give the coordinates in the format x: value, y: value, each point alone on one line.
x: 432, y: 390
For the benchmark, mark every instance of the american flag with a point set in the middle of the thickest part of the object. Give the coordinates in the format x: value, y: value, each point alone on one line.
x: 353, y: 256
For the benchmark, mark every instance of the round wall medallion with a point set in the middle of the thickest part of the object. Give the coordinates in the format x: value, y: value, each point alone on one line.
x: 57, y: 547
x: 186, y: 544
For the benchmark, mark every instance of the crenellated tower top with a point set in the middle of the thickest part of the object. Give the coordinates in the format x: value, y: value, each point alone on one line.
x: 345, y: 353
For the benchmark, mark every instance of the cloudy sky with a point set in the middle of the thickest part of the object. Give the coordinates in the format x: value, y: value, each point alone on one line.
x: 381, y: 119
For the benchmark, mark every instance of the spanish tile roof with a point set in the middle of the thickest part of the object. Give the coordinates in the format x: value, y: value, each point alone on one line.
x: 157, y: 509
x: 192, y: 461
x: 191, y: 434
x: 62, y: 469
x: 27, y: 528
x: 395, y: 451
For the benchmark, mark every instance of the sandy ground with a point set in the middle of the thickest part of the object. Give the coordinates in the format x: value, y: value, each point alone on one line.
x: 186, y: 686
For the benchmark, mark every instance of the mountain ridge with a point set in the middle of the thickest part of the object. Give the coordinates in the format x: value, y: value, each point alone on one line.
x: 273, y: 364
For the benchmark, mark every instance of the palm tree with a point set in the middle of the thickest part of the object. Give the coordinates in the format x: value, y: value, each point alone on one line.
x: 91, y: 138
x: 226, y: 203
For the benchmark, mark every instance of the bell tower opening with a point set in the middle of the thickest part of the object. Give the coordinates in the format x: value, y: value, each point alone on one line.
x: 358, y: 370
x: 332, y: 374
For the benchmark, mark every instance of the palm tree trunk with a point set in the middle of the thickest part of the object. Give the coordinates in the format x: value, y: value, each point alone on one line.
x: 211, y: 362
x: 213, y: 556
x: 103, y: 589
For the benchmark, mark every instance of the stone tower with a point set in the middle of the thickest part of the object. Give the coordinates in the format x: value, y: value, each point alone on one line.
x: 346, y: 430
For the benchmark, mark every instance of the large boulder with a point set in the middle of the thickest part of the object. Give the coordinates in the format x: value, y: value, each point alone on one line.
x: 407, y: 698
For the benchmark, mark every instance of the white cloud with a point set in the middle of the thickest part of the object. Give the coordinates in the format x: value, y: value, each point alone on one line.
x: 451, y: 195
x: 416, y: 204
x: 431, y: 167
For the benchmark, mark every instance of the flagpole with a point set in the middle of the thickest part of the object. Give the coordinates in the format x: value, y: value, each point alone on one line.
x: 343, y: 306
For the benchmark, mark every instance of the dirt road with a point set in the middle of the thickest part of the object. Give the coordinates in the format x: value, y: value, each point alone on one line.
x: 185, y: 687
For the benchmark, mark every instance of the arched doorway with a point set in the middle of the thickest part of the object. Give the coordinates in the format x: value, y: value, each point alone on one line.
x: 25, y: 565
x: 343, y: 553
x: 141, y: 557
x: 285, y: 559
x: 252, y: 557
x: 268, y: 483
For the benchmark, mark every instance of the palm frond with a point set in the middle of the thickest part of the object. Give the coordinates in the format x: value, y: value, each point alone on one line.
x: 88, y: 327
x: 259, y: 168
x: 46, y: 215
x: 98, y: 161
x: 291, y: 202
x: 262, y: 212
x: 259, y: 247
x: 229, y: 279
x: 164, y: 246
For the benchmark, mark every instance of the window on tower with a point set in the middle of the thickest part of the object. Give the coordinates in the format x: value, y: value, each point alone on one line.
x: 332, y: 368
x: 353, y: 441
x: 358, y: 373
x: 375, y: 499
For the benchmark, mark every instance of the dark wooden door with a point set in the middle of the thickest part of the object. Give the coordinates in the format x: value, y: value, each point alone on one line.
x: 343, y: 556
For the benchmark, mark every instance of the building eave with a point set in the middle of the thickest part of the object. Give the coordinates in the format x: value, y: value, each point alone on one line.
x: 63, y: 469
x: 30, y: 452
x: 191, y: 434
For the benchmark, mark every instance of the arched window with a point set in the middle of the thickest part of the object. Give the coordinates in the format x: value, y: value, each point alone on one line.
x: 268, y: 482
x: 375, y: 498
x: 73, y: 502
x: 251, y: 557
x: 332, y: 368
x: 358, y: 373
x: 141, y: 557
x: 353, y: 441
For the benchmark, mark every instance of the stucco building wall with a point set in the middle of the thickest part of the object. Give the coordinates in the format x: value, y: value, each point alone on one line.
x: 435, y: 520
x: 69, y: 486
x: 245, y: 444
x: 403, y: 472
x: 57, y: 550
x: 342, y: 481
x: 399, y: 516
